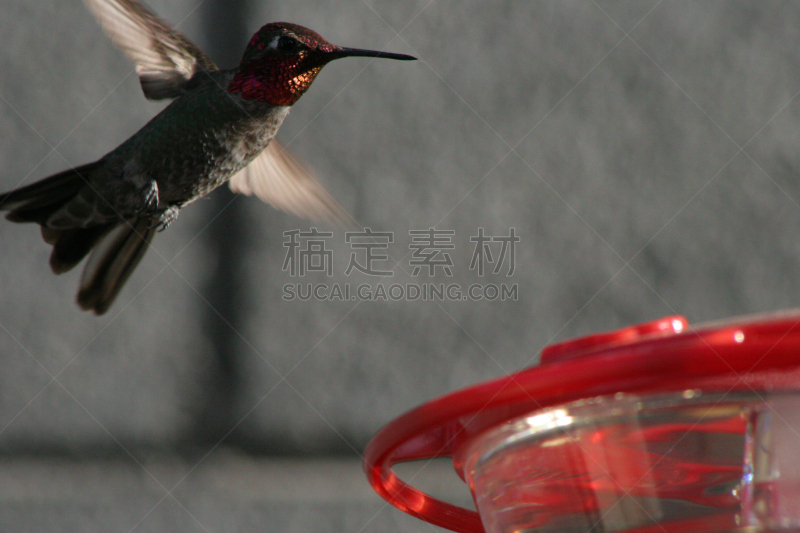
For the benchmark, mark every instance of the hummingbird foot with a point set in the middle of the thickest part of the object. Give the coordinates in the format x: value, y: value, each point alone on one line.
x: 168, y: 216
x: 150, y: 202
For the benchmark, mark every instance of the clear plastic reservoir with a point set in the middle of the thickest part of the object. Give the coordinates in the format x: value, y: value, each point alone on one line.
x: 685, y: 462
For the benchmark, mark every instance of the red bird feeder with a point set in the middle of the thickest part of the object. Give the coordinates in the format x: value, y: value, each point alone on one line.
x: 651, y: 428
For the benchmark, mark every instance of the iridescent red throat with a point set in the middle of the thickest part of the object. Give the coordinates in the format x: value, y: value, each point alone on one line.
x: 277, y: 84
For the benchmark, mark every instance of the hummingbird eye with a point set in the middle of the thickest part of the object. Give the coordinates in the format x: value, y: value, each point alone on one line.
x: 288, y: 45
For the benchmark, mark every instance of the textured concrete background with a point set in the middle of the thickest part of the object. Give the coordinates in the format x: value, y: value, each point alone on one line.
x: 645, y: 153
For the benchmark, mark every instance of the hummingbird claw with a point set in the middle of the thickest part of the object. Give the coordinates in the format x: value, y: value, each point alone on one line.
x: 168, y: 216
x: 150, y: 202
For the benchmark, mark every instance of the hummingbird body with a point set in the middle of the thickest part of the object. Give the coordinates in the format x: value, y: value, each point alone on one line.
x: 219, y: 127
x: 192, y: 147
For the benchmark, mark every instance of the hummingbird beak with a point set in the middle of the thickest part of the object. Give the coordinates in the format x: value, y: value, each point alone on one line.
x: 355, y: 52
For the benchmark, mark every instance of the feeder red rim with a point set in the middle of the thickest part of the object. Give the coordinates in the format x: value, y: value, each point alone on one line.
x: 745, y: 354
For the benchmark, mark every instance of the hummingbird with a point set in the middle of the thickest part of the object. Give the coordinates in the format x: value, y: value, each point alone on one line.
x: 220, y: 127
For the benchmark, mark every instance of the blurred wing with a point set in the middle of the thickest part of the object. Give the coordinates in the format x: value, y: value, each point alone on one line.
x: 165, y: 59
x: 278, y: 179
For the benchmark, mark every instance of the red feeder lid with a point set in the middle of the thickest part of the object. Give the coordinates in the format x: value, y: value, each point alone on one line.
x: 761, y: 353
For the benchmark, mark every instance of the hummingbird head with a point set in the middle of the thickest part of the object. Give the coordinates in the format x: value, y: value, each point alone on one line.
x: 282, y: 60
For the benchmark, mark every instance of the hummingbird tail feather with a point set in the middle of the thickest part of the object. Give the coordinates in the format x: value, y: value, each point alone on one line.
x: 114, y: 247
x: 112, y: 262
x: 70, y: 246
x: 36, y: 202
